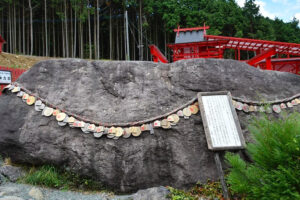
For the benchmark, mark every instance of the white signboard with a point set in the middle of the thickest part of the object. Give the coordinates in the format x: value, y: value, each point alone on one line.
x: 220, y: 121
x: 5, y: 77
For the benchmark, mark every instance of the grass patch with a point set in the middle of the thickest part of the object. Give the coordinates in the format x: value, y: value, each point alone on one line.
x: 210, y: 190
x: 53, y: 177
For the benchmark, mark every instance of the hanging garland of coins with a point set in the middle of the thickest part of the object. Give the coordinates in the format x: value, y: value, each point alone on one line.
x: 125, y: 130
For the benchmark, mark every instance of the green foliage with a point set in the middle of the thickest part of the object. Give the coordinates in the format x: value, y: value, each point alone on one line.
x: 180, y: 195
x: 210, y: 190
x: 53, y: 177
x: 46, y: 176
x: 275, y: 171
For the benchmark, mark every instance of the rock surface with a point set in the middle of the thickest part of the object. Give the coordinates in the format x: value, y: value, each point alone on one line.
x: 155, y: 193
x: 21, y: 191
x: 11, y: 198
x: 11, y: 172
x: 36, y: 194
x: 123, y: 92
x: 8, y: 191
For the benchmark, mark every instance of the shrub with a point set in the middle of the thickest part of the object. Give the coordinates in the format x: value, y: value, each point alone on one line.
x: 275, y: 170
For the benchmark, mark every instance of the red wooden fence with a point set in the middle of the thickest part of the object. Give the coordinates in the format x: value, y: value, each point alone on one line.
x: 15, y: 73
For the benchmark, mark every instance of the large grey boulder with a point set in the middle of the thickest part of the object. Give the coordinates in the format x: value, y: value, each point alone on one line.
x: 123, y: 92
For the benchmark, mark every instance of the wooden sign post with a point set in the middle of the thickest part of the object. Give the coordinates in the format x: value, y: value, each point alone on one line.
x: 221, y: 126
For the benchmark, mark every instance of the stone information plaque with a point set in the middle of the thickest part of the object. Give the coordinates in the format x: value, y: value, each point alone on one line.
x: 221, y: 125
x: 5, y: 77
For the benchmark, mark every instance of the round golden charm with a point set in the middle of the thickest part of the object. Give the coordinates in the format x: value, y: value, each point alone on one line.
x: 31, y: 100
x: 170, y: 118
x: 176, y: 118
x: 136, y: 131
x: 16, y: 89
x: 187, y: 112
x: 99, y: 129
x: 56, y: 112
x: 119, y: 132
x: 112, y: 130
x: 47, y: 111
x: 61, y: 116
x: 165, y: 124
x: 71, y: 120
x: 194, y: 109
x: 91, y: 127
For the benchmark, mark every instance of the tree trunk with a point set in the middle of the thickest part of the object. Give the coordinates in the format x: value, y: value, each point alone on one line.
x: 98, y: 32
x: 31, y: 28
x: 141, y: 33
x: 24, y: 39
x: 15, y: 29
x: 20, y: 33
x: 10, y: 31
x: 90, y: 36
x: 110, y: 35
x: 95, y: 36
x: 42, y: 50
x: 81, y: 39
x: 46, y: 31
x: 66, y: 31
x: 121, y: 44
x: 117, y: 35
x: 63, y: 39
x: 71, y: 35
x: 75, y: 33
x: 53, y: 32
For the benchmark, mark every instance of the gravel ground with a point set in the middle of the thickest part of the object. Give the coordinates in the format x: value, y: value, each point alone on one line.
x: 8, y: 190
x: 14, y: 191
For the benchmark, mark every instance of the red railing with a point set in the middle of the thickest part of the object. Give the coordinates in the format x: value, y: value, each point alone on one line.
x: 157, y: 54
x: 15, y: 73
x: 256, y: 45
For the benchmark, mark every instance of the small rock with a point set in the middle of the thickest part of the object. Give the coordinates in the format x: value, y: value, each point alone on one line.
x: 155, y: 193
x: 11, y: 198
x: 11, y: 172
x: 36, y: 193
x: 8, y: 190
x: 2, y: 179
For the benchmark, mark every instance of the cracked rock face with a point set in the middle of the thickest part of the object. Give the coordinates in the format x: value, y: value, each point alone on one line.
x: 129, y: 91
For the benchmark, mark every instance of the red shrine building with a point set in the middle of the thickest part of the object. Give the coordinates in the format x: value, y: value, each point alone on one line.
x: 191, y: 43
